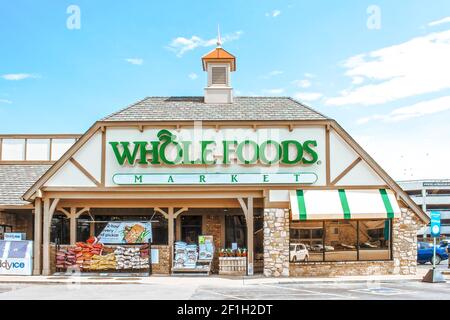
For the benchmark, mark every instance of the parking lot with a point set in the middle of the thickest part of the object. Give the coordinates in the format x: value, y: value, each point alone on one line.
x: 188, y: 288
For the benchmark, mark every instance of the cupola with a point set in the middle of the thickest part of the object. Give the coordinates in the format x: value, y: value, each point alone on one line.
x: 219, y: 63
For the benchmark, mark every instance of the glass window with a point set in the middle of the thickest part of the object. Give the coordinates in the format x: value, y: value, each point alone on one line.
x: 310, y: 234
x: 341, y: 240
x: 59, y: 232
x: 191, y: 228
x: 235, y: 231
x: 84, y: 228
x: 374, y: 240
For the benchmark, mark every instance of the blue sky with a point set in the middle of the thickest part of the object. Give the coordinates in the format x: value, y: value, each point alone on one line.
x: 381, y: 68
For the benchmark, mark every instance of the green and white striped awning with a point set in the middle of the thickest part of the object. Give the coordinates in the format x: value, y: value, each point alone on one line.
x: 343, y: 204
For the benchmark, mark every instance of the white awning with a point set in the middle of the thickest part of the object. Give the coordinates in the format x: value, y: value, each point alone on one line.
x: 343, y: 204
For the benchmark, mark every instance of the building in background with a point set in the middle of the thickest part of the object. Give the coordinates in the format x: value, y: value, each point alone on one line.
x: 431, y: 195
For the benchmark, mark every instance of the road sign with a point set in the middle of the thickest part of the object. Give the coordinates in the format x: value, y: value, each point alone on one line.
x: 435, y: 229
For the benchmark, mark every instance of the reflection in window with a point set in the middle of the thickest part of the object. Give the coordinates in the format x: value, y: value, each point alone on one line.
x: 340, y: 240
x: 310, y: 234
x: 374, y: 240
x: 235, y: 231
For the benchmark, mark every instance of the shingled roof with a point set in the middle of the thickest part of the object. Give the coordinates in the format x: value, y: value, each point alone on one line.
x: 16, y: 179
x: 194, y: 108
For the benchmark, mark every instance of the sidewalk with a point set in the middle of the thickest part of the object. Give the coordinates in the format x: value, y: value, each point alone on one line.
x: 197, y: 280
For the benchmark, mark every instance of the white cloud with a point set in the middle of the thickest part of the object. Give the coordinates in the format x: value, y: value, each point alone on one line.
x: 303, y: 83
x: 274, y: 13
x: 309, y: 75
x: 135, y: 61
x: 414, y: 111
x: 308, y: 96
x: 193, y: 76
x: 5, y: 101
x: 181, y: 45
x: 18, y: 76
x: 276, y: 91
x: 415, y: 67
x: 357, y: 80
x: 272, y: 74
x: 438, y: 22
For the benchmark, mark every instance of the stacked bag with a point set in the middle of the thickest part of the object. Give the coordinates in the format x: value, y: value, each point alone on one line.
x: 105, y: 262
x: 131, y: 258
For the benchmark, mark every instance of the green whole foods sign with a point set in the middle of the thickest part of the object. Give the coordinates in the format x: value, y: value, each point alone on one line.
x: 168, y: 151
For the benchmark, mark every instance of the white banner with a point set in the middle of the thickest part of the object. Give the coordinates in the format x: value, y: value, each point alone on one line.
x: 213, y: 178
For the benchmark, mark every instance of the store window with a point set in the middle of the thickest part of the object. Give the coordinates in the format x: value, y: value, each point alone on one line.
x: 340, y: 240
x: 191, y: 228
x: 59, y: 232
x: 310, y: 235
x: 374, y: 240
x: 84, y: 225
x: 235, y: 231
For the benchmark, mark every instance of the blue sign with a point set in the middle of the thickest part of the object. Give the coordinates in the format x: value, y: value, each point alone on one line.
x: 435, y: 228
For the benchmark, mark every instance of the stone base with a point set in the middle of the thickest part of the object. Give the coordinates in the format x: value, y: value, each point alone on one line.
x: 338, y: 269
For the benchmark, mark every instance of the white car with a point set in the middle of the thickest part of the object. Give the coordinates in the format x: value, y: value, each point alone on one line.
x: 298, y: 252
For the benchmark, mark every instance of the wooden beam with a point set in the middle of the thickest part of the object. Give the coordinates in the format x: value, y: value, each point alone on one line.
x: 85, y: 172
x: 176, y: 214
x: 67, y: 213
x: 80, y: 212
x: 164, y: 213
x: 346, y: 170
x: 243, y: 205
x: 73, y: 226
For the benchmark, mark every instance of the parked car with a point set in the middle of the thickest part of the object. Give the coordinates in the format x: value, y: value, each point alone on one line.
x: 298, y: 252
x: 319, y: 247
x: 425, y: 253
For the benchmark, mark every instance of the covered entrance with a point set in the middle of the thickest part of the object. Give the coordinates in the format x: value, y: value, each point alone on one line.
x: 233, y: 219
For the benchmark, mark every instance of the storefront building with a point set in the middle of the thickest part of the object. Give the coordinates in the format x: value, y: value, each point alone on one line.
x: 266, y: 174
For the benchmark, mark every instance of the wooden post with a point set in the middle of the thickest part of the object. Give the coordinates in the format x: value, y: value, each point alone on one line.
x: 73, y: 225
x: 250, y: 236
x: 171, y: 235
x: 37, y: 236
x: 49, y: 209
x: 248, y: 212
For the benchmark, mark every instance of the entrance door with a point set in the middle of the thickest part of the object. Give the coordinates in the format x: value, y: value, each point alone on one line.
x: 191, y: 228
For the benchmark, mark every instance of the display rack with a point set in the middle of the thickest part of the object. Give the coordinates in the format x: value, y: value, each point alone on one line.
x: 202, y: 266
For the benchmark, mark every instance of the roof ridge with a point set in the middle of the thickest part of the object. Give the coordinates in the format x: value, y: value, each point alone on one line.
x: 308, y: 107
x: 123, y: 109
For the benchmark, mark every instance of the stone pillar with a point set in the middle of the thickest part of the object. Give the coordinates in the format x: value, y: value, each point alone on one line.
x: 276, y: 242
x: 404, y: 246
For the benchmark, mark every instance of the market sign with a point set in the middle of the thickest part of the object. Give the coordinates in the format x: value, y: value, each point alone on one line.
x: 126, y: 233
x: 213, y: 178
x: 167, y: 150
